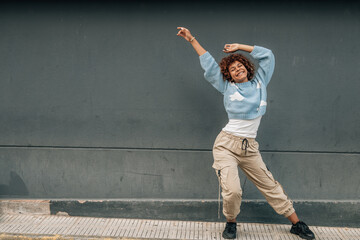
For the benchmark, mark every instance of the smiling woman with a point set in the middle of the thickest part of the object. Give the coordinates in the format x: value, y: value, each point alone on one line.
x: 245, y: 103
x: 237, y: 68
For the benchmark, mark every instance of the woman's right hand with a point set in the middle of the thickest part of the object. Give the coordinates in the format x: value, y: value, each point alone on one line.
x: 185, y: 33
x: 230, y: 48
x: 233, y: 47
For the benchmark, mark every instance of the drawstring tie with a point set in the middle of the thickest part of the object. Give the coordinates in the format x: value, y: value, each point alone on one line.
x: 219, y: 195
x: 244, y: 145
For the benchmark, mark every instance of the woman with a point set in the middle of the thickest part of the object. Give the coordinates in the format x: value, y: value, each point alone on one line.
x: 244, y: 93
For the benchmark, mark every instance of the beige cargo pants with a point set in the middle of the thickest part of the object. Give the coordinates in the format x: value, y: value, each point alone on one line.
x: 229, y: 152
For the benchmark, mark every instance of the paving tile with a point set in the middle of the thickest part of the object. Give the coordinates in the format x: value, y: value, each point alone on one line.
x: 88, y: 228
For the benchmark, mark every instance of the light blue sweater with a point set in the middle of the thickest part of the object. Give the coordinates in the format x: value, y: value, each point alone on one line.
x: 248, y: 99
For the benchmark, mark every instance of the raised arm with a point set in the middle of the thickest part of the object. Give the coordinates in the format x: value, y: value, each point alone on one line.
x: 229, y: 48
x: 212, y: 70
x: 185, y: 33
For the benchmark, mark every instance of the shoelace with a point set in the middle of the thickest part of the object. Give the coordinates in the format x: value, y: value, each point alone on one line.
x: 231, y: 227
x: 303, y: 226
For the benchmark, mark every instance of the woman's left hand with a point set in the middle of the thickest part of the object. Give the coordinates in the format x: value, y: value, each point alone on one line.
x: 185, y: 33
x: 229, y: 48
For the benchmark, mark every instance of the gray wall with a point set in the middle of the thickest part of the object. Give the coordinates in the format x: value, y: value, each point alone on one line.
x: 103, y: 100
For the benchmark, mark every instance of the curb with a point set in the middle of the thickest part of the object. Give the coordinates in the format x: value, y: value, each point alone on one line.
x: 6, y: 236
x: 317, y: 213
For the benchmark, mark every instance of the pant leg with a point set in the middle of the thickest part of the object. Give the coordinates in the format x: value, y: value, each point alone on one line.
x: 231, y: 191
x: 226, y: 168
x: 255, y: 169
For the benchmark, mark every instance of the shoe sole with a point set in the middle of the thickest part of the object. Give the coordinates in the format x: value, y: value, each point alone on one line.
x: 226, y: 237
x: 302, y: 236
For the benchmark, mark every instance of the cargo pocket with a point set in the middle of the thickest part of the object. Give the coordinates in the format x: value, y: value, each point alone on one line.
x: 268, y: 173
x: 222, y: 175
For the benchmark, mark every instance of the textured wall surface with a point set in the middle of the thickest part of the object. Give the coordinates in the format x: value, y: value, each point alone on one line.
x: 103, y: 100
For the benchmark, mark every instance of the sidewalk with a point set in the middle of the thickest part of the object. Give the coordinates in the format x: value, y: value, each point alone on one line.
x: 18, y: 226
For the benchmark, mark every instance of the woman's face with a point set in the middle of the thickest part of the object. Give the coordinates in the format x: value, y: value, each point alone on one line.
x: 238, y: 72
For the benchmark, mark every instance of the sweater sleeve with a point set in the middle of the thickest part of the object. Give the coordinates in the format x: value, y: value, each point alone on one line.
x: 266, y: 63
x: 212, y: 72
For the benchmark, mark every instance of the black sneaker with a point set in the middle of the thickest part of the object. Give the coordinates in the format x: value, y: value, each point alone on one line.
x: 230, y: 230
x: 301, y: 229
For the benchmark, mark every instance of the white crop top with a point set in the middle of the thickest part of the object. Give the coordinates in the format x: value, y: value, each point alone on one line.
x: 243, y: 128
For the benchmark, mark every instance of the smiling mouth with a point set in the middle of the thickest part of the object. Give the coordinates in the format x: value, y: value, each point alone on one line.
x: 240, y: 73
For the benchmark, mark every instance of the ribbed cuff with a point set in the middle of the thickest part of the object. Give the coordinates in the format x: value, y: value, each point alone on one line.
x: 289, y: 212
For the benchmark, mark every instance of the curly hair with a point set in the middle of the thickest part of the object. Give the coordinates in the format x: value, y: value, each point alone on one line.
x: 228, y: 60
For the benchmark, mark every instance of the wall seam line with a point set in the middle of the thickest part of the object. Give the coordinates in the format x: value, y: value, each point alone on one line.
x: 166, y: 149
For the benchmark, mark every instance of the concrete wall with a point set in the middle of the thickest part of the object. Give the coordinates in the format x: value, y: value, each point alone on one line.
x: 101, y: 100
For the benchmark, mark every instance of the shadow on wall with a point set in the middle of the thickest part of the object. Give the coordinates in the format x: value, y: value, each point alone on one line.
x: 16, y: 186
